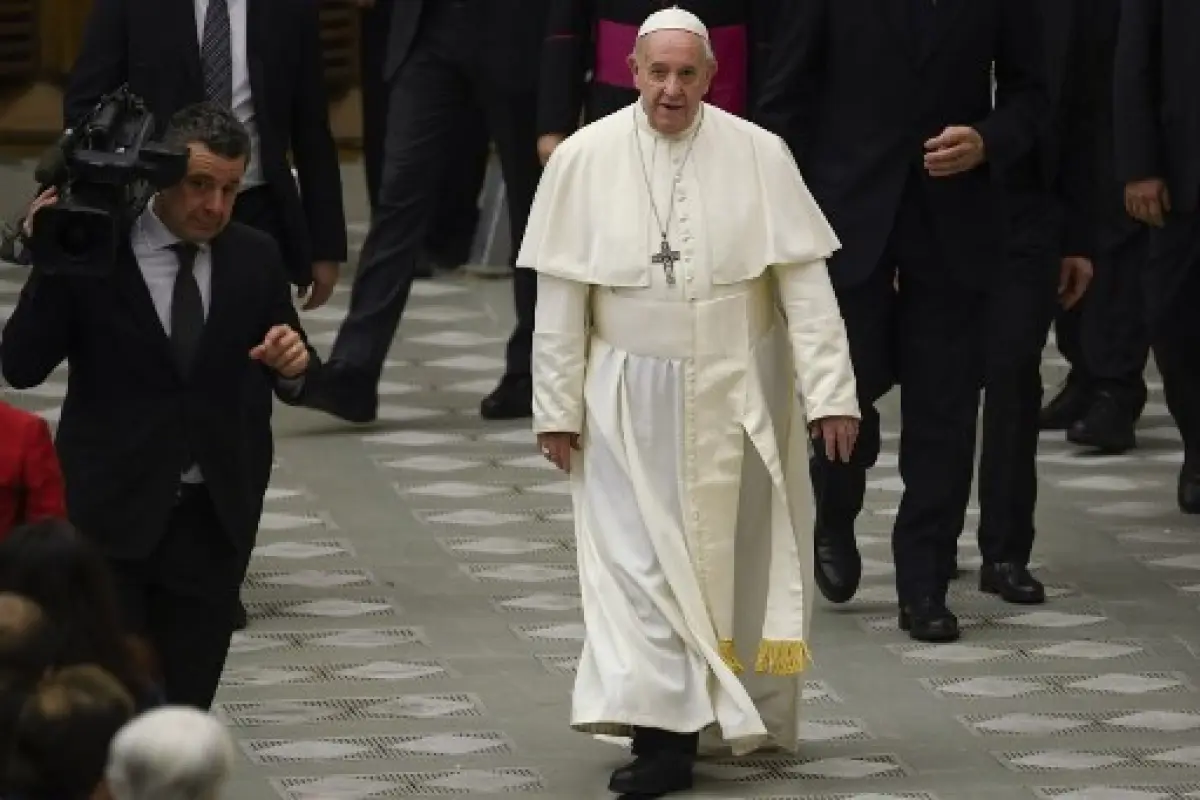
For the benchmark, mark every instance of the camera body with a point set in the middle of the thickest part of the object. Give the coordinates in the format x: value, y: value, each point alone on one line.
x: 105, y: 170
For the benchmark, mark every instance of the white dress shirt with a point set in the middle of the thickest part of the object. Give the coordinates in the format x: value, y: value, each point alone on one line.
x: 243, y: 99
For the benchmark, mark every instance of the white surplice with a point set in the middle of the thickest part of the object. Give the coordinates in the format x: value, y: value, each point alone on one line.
x: 693, y: 508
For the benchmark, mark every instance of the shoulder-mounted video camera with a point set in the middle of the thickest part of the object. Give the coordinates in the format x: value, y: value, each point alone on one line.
x: 105, y: 169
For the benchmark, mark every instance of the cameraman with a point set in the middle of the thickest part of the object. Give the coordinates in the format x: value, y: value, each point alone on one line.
x: 165, y: 432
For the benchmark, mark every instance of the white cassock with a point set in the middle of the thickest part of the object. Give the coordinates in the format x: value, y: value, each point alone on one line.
x: 693, y: 506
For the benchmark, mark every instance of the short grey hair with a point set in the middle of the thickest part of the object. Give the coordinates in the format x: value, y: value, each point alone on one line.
x: 170, y: 753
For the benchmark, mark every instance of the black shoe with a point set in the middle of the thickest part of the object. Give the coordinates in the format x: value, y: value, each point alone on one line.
x: 654, y: 775
x: 1013, y: 583
x: 838, y: 565
x: 928, y: 620
x: 240, y: 619
x: 1067, y: 407
x: 1107, y: 426
x: 1188, y: 493
x: 512, y: 399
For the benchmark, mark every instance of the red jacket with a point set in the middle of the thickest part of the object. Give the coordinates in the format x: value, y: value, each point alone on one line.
x: 31, y: 482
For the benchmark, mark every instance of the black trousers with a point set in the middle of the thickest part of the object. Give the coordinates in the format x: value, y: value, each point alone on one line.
x: 1104, y: 338
x: 924, y: 336
x: 1021, y: 305
x: 1172, y: 293
x: 443, y: 75
x: 183, y: 597
x: 457, y: 213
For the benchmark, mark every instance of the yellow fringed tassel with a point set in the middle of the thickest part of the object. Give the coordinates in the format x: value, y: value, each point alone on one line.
x: 729, y: 656
x: 782, y: 658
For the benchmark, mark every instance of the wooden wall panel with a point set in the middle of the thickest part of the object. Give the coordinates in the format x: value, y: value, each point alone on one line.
x: 19, y: 45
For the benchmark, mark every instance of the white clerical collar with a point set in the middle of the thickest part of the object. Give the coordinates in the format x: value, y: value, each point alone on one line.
x: 643, y: 123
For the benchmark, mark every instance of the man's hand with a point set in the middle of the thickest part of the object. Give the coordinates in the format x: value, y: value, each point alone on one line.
x: 46, y: 198
x: 839, y: 435
x: 1074, y: 277
x: 557, y: 447
x: 547, y: 144
x: 955, y: 150
x: 1148, y: 201
x: 325, y: 278
x: 282, y: 350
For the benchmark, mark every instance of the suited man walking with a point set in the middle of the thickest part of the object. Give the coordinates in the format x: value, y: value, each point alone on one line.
x: 1157, y: 113
x: 897, y: 148
x: 263, y: 60
x: 1049, y: 200
x: 164, y: 467
x: 1104, y: 337
x: 442, y: 55
x: 448, y: 243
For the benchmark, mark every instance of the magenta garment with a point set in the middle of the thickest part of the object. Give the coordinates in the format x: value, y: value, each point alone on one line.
x: 730, y: 43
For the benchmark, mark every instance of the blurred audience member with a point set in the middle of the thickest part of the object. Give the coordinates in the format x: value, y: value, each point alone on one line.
x: 31, y: 483
x: 64, y: 573
x: 62, y: 734
x: 173, y: 752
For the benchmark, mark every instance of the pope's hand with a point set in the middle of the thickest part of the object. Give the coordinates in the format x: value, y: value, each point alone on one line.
x: 557, y: 447
x: 839, y: 435
x: 282, y: 350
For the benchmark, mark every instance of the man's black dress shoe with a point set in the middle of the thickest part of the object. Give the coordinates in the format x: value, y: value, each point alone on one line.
x: 1107, y: 426
x: 1188, y: 493
x: 928, y: 620
x: 1068, y: 406
x: 1012, y: 582
x: 512, y: 399
x: 838, y: 563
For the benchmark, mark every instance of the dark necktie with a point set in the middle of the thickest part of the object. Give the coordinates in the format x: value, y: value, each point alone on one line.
x: 187, y: 308
x: 216, y: 54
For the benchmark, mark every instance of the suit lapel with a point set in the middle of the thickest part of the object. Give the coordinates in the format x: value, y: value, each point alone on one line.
x: 222, y: 298
x: 944, y: 23
x: 257, y: 43
x: 133, y: 290
x: 895, y: 12
x: 179, y: 19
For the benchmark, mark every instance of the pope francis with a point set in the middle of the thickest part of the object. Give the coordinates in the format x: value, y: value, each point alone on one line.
x: 683, y: 300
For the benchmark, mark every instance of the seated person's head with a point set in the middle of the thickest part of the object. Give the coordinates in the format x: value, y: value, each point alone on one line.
x: 28, y: 645
x: 61, y: 739
x: 65, y: 574
x: 170, y: 753
x: 199, y: 207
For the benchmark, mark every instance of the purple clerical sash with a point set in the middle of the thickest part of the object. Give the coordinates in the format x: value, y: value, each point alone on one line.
x: 615, y: 41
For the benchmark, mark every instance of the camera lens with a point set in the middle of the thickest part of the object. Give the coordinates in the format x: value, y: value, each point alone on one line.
x: 75, y: 241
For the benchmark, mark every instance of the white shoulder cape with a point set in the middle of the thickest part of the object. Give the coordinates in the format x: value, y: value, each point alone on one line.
x: 591, y: 212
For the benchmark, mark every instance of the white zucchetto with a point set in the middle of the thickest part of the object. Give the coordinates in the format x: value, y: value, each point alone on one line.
x: 674, y: 19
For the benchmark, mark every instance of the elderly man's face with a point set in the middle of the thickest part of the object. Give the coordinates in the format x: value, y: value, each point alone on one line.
x: 672, y: 73
x: 199, y: 207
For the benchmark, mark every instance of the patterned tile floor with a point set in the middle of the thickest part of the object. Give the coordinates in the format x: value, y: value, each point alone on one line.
x: 415, y: 616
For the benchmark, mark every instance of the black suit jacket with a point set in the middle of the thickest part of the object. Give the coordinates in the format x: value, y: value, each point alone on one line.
x: 152, y: 45
x: 1156, y: 102
x: 510, y: 38
x: 856, y: 95
x: 129, y: 413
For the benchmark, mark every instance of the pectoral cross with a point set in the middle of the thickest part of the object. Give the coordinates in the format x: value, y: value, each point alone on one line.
x: 667, y: 257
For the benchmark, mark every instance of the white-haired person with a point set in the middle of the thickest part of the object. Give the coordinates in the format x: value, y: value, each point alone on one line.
x: 170, y: 753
